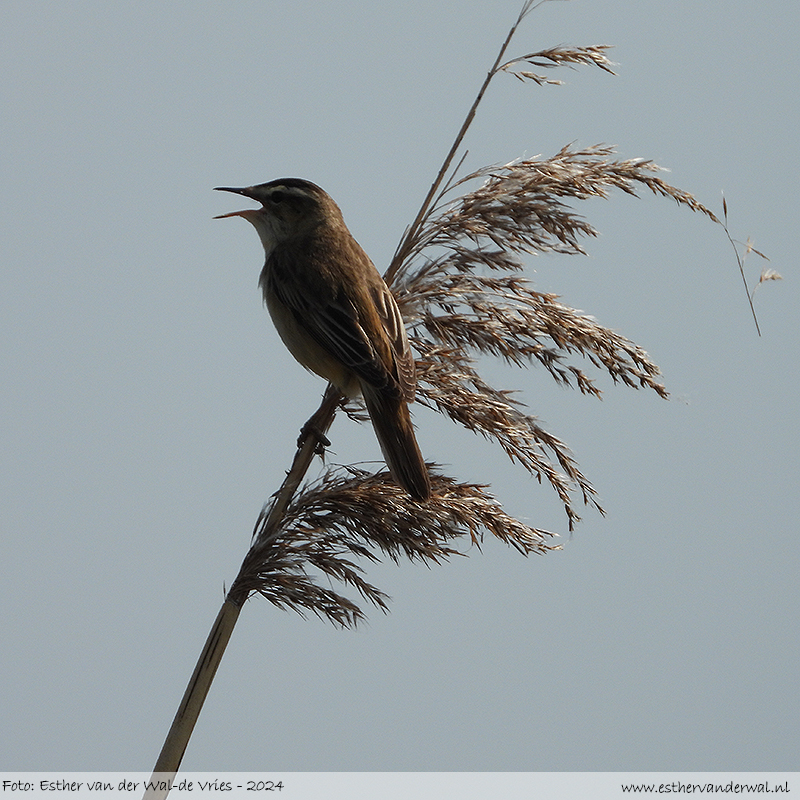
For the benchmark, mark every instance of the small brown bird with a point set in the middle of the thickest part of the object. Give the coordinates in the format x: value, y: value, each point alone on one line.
x: 336, y: 314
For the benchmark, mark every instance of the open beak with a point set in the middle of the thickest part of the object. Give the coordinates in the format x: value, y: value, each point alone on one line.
x: 245, y: 193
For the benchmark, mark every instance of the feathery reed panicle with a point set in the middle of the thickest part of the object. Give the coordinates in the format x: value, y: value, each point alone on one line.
x: 352, y: 514
x: 449, y: 382
x: 557, y: 57
x: 461, y: 287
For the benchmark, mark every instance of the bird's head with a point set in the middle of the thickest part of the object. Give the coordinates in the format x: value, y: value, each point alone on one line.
x: 289, y: 207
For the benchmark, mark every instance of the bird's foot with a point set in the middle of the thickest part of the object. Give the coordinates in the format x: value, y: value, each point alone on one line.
x: 310, y: 429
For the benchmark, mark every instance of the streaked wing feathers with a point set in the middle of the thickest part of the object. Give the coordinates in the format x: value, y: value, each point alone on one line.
x: 334, y: 322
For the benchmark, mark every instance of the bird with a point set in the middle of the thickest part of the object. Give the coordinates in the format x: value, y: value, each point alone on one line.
x: 336, y: 315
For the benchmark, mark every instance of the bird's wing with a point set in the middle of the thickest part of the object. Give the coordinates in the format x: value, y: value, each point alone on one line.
x: 351, y: 336
x: 395, y: 328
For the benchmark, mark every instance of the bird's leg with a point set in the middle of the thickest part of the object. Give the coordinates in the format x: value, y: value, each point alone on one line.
x: 310, y: 429
x: 319, y: 422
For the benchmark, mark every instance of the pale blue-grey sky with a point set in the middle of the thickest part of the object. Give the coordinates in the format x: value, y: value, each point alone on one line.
x: 149, y: 409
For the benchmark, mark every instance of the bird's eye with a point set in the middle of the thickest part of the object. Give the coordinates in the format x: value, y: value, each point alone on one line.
x: 277, y: 197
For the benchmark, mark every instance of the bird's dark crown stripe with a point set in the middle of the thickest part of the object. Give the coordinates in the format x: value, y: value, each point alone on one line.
x: 304, y: 187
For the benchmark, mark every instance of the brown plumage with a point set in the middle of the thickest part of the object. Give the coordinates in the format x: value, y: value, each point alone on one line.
x: 336, y: 314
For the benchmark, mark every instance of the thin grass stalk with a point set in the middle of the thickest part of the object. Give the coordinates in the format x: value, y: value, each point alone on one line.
x: 406, y: 243
x: 169, y: 760
x: 740, y: 262
x: 312, y: 435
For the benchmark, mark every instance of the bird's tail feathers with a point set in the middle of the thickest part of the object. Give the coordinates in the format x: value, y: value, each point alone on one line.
x: 391, y: 420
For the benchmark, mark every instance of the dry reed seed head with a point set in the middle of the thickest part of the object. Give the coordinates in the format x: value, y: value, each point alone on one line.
x: 592, y: 55
x: 518, y: 209
x: 502, y: 315
x: 770, y: 275
x: 458, y: 307
x: 518, y: 205
x: 449, y: 383
x: 350, y: 514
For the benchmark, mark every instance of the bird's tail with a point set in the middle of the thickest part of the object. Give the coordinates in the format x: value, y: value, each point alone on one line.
x: 391, y: 420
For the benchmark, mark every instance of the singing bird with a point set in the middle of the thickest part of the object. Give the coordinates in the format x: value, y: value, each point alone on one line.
x: 335, y: 313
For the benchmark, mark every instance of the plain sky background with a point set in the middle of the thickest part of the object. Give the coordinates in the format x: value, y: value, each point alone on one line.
x: 149, y: 409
